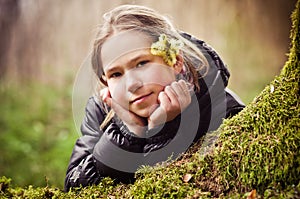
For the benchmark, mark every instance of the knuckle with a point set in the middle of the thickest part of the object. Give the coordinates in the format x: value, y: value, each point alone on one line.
x: 174, y: 83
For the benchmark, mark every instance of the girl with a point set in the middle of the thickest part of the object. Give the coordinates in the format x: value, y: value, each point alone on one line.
x: 162, y: 90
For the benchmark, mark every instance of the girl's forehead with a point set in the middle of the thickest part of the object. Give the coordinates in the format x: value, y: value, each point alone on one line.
x: 123, y: 43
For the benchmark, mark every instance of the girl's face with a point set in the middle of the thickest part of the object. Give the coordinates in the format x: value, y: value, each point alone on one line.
x: 134, y: 76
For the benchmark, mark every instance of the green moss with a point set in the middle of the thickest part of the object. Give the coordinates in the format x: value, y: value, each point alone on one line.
x: 261, y: 144
x: 258, y: 149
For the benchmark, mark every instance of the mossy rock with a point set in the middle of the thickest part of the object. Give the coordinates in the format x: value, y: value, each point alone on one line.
x: 255, y: 154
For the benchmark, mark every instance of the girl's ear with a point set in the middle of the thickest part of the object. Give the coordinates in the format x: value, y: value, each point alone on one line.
x: 178, y: 66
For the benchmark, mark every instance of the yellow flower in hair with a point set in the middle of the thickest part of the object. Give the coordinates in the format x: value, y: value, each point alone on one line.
x: 167, y: 48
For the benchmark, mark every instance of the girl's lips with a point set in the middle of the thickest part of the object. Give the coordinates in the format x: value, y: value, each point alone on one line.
x: 140, y: 99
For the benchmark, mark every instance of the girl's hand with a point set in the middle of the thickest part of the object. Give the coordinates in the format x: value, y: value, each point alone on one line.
x: 134, y: 123
x: 173, y: 100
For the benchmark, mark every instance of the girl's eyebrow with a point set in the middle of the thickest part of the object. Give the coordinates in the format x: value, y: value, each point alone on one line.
x: 139, y: 56
x: 111, y: 69
x: 132, y: 60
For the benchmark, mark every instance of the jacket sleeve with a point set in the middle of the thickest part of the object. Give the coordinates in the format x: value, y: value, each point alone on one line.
x: 234, y: 103
x: 81, y: 169
x: 95, y: 148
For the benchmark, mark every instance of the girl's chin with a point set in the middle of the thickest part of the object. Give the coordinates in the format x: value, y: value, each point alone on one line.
x: 145, y: 113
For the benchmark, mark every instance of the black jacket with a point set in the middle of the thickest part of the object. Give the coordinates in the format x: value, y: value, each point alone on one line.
x: 118, y: 153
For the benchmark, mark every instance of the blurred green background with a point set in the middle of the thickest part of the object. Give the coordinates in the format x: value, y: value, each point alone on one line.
x: 43, y: 44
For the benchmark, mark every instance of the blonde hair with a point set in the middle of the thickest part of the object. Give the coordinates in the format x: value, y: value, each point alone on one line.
x: 153, y: 24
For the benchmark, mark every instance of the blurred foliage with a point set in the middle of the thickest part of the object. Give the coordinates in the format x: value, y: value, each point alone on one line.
x: 37, y: 133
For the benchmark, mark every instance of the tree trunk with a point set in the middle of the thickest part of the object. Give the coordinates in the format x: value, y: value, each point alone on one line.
x: 9, y: 13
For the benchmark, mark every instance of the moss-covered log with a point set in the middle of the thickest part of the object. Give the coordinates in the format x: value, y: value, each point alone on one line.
x: 256, y: 153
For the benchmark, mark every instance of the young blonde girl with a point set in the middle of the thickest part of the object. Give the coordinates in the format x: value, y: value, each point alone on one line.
x: 162, y: 90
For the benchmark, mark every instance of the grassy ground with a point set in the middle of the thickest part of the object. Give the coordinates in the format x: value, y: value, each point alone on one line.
x: 37, y: 133
x: 256, y: 153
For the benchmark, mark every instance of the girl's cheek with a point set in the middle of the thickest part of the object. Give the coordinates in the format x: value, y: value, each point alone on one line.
x: 117, y: 94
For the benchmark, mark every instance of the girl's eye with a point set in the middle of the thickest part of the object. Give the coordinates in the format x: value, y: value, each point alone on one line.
x: 142, y: 63
x: 115, y: 75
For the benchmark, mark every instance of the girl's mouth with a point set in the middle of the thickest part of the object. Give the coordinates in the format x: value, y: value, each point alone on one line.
x: 140, y: 99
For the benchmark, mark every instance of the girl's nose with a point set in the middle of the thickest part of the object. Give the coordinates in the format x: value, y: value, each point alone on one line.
x: 133, y: 81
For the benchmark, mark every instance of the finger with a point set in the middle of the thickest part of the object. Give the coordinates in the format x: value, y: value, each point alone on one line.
x: 108, y: 101
x: 159, y: 116
x: 152, y: 108
x: 181, y: 90
x: 171, y: 95
x: 184, y: 85
x: 163, y: 99
x: 179, y: 87
x: 180, y: 93
x: 104, y: 94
